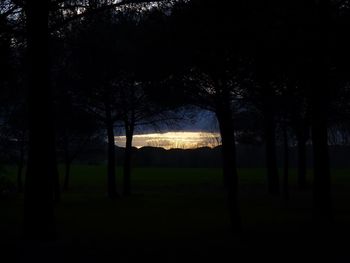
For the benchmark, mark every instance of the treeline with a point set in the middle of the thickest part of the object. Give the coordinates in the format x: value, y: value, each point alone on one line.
x: 248, y: 156
x: 73, y: 72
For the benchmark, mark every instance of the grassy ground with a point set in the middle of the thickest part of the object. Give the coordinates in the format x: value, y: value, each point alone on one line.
x: 179, y: 215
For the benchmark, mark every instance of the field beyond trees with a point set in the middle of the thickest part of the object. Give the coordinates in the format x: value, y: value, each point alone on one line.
x: 179, y: 215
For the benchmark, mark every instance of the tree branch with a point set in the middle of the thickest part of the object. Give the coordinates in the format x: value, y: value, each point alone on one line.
x: 68, y: 20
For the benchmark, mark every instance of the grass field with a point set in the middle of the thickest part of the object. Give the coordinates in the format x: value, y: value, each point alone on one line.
x: 178, y: 215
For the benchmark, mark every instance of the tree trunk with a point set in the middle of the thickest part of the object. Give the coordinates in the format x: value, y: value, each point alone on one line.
x: 41, y: 168
x: 67, y: 163
x: 322, y: 184
x: 224, y: 116
x: 66, y: 176
x: 20, y: 167
x: 322, y: 181
x: 127, y: 161
x: 319, y: 102
x: 57, y: 187
x: 111, y: 181
x: 271, y: 160
x: 285, y: 164
x: 302, y: 168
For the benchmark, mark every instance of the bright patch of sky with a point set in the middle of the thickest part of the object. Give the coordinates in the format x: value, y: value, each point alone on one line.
x: 198, y: 131
x: 173, y: 140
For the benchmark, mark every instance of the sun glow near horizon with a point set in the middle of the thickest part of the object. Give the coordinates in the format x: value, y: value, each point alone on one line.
x: 173, y: 140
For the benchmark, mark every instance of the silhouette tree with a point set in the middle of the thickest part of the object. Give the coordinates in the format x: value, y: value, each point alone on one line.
x: 285, y: 163
x: 319, y: 49
x: 319, y: 101
x: 136, y: 108
x: 97, y: 68
x: 42, y: 166
x: 267, y: 26
x: 75, y: 130
x: 264, y: 98
x: 13, y: 124
x: 204, y: 46
x: 14, y: 131
x: 299, y: 121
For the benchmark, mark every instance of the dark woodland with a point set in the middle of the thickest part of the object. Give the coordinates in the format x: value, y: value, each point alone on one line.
x: 74, y: 74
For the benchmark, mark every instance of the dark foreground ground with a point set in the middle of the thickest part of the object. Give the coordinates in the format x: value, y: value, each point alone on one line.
x: 179, y: 215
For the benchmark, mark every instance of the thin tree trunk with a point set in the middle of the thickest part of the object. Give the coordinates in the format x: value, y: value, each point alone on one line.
x: 286, y: 164
x: 67, y: 163
x: 66, y: 175
x: 20, y: 167
x: 127, y: 161
x: 271, y: 159
x: 302, y: 169
x: 41, y: 168
x: 322, y: 182
x: 230, y: 174
x: 57, y: 188
x: 111, y: 181
x: 319, y: 102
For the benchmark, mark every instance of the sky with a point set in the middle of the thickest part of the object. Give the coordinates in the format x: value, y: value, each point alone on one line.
x: 172, y: 140
x: 198, y: 131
